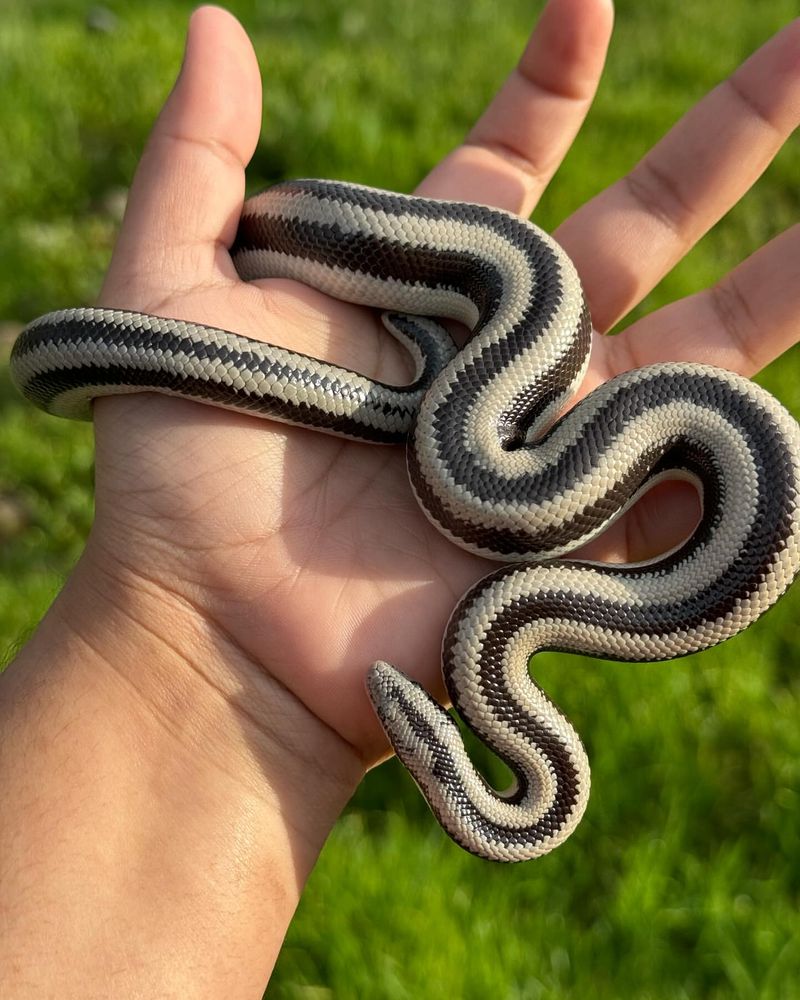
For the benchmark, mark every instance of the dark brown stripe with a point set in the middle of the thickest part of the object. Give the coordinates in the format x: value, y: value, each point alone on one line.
x: 374, y: 255
x: 445, y: 771
x: 654, y: 388
x: 44, y: 389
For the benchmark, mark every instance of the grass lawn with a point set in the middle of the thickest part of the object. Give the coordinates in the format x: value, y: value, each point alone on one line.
x: 684, y: 879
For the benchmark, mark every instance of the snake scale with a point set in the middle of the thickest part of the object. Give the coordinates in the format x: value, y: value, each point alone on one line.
x: 494, y: 464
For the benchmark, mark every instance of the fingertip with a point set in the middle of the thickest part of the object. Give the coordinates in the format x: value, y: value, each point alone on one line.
x: 517, y: 144
x: 568, y: 49
x: 210, y: 16
x: 208, y: 128
x: 219, y: 85
x: 189, y: 186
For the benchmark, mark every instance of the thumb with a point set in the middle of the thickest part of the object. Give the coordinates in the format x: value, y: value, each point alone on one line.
x: 187, y: 194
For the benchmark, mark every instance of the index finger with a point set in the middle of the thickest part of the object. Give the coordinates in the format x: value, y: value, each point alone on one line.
x: 518, y: 143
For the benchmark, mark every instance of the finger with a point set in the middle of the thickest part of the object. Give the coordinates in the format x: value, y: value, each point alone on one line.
x: 522, y: 137
x: 628, y: 237
x: 746, y: 320
x: 189, y: 186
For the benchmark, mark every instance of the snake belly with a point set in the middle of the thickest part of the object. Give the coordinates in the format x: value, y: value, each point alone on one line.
x: 492, y: 464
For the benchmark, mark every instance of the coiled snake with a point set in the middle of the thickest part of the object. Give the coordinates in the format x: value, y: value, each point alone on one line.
x: 491, y: 465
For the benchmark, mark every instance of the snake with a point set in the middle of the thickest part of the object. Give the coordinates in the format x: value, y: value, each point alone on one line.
x: 499, y: 461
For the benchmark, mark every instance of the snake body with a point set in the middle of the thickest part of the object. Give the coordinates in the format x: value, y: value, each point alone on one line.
x: 493, y: 466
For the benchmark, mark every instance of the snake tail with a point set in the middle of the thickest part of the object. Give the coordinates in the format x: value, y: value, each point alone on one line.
x: 531, y: 818
x: 742, y: 450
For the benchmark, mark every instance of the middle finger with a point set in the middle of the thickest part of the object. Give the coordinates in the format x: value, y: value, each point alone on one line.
x: 628, y: 237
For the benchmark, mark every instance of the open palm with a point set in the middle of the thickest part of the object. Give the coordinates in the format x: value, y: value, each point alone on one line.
x: 310, y: 552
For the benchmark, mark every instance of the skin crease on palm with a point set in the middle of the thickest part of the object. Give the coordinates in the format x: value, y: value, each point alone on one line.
x: 310, y: 553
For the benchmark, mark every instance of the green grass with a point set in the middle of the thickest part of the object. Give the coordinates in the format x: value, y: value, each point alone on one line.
x: 684, y: 879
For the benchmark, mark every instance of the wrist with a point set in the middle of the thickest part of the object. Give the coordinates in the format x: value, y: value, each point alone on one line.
x: 191, y: 793
x: 201, y: 698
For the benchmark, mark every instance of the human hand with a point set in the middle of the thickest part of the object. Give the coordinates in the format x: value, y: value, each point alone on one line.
x: 192, y: 714
x: 309, y: 553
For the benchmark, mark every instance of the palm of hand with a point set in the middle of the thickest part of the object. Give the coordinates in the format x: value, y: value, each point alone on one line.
x: 310, y: 552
